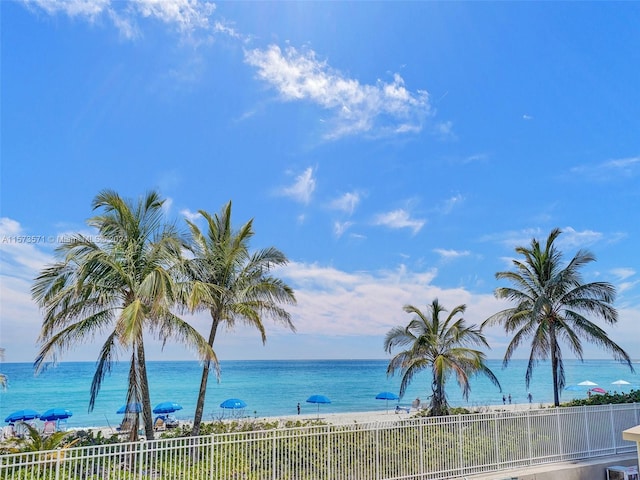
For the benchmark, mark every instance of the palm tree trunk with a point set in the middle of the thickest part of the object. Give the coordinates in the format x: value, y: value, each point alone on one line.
x: 554, y: 364
x: 144, y: 391
x: 197, y: 420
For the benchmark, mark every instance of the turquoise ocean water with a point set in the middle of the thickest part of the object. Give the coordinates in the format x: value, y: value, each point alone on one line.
x: 273, y: 388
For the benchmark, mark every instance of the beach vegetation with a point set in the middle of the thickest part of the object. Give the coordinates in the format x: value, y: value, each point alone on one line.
x: 444, y: 346
x: 554, y: 307
x: 36, y: 441
x: 233, y: 284
x: 605, y: 399
x: 118, y: 284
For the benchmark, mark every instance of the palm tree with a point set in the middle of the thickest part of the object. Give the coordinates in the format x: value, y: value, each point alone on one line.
x: 551, y: 306
x: 233, y: 284
x: 35, y: 441
x: 117, y: 284
x: 443, y: 346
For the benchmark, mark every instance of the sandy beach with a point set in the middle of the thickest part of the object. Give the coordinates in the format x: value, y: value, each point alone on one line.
x: 391, y: 415
x: 347, y: 418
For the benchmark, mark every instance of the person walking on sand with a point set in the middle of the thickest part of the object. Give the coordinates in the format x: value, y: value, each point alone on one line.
x: 504, y: 400
x: 298, y: 408
x: 509, y: 399
x: 529, y: 396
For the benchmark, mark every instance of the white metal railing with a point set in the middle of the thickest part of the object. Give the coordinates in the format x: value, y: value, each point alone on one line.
x: 424, y: 448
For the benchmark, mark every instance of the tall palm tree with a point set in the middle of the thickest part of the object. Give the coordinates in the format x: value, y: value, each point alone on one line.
x: 117, y: 284
x: 233, y: 284
x: 552, y: 305
x: 442, y: 346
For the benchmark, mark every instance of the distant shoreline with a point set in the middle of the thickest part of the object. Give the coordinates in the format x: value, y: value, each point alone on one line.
x: 339, y: 418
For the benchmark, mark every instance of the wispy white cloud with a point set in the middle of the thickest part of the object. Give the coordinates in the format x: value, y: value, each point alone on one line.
x: 339, y: 228
x: 189, y: 215
x: 346, y: 203
x: 447, y: 254
x: 386, y: 107
x: 476, y: 157
x: 445, y: 130
x: 184, y: 16
x: 527, y: 117
x: 623, y: 273
x: 302, y: 188
x: 451, y: 203
x: 609, y: 170
x: 399, y: 218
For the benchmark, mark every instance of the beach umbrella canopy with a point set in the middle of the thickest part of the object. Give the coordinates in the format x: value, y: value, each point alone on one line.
x: 598, y: 390
x: 587, y: 383
x: 167, y: 407
x: 26, y: 414
x: 130, y: 408
x: 55, y: 414
x: 233, y: 403
x: 620, y: 382
x: 387, y: 396
x: 573, y: 388
x: 318, y: 399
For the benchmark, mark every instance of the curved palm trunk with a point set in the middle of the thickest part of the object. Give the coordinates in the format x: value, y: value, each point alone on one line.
x: 133, y: 419
x: 438, y: 402
x: 554, y: 364
x: 197, y: 420
x: 144, y: 391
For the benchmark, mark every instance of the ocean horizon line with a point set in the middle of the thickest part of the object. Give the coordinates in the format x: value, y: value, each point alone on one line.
x: 53, y: 364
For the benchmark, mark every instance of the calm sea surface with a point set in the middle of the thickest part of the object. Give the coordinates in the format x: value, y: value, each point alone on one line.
x: 275, y: 387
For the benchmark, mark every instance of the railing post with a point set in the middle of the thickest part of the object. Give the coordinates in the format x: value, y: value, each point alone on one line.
x: 495, y: 430
x: 378, y: 450
x: 328, y: 453
x: 421, y: 448
x: 586, y: 428
x: 140, y: 448
x: 529, y: 440
x: 460, y: 446
x: 613, y: 433
x: 560, y: 439
x: 213, y: 451
x: 58, y: 452
x: 273, y: 454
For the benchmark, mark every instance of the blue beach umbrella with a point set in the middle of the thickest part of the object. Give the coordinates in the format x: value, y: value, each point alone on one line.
x: 130, y: 408
x: 387, y: 396
x: 55, y: 414
x: 167, y: 407
x: 19, y: 415
x: 233, y: 403
x: 318, y: 399
x: 573, y: 388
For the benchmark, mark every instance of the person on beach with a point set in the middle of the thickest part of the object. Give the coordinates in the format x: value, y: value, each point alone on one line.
x: 416, y: 403
x: 530, y: 397
x: 509, y: 399
x: 298, y: 408
x: 504, y: 400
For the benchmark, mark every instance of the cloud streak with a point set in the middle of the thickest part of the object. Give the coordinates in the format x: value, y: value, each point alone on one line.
x: 386, y: 107
x: 399, y: 218
x: 184, y: 16
x: 302, y: 188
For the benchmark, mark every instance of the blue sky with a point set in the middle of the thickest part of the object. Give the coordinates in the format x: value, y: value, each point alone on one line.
x: 396, y: 152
